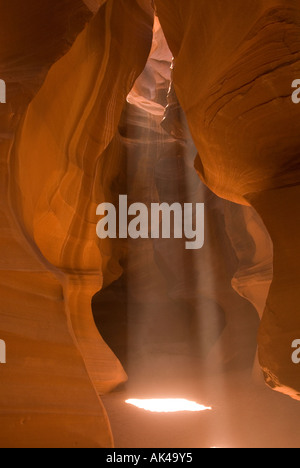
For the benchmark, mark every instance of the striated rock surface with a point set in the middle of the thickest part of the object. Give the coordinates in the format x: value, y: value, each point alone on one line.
x: 254, y: 250
x: 233, y: 73
x: 67, y: 79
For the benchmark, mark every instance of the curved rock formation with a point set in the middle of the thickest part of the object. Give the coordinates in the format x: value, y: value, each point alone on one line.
x: 254, y: 251
x: 54, y: 129
x: 233, y: 80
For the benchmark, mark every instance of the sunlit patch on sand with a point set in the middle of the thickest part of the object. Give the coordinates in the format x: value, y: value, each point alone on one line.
x: 167, y: 405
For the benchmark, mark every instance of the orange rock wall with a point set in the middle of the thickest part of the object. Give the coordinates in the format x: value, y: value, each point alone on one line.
x: 70, y: 79
x: 233, y: 72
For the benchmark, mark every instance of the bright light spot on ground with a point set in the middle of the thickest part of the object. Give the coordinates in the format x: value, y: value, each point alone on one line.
x: 167, y: 405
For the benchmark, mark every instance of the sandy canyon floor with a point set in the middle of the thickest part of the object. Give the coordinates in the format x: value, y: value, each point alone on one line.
x: 244, y: 415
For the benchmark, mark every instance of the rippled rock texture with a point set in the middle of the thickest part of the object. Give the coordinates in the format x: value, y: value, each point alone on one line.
x: 87, y: 118
x: 233, y: 80
x: 68, y: 74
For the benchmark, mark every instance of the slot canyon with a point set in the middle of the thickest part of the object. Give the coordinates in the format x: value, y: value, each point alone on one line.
x: 165, y: 101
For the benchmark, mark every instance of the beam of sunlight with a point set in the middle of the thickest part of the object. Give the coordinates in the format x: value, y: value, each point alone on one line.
x: 167, y: 405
